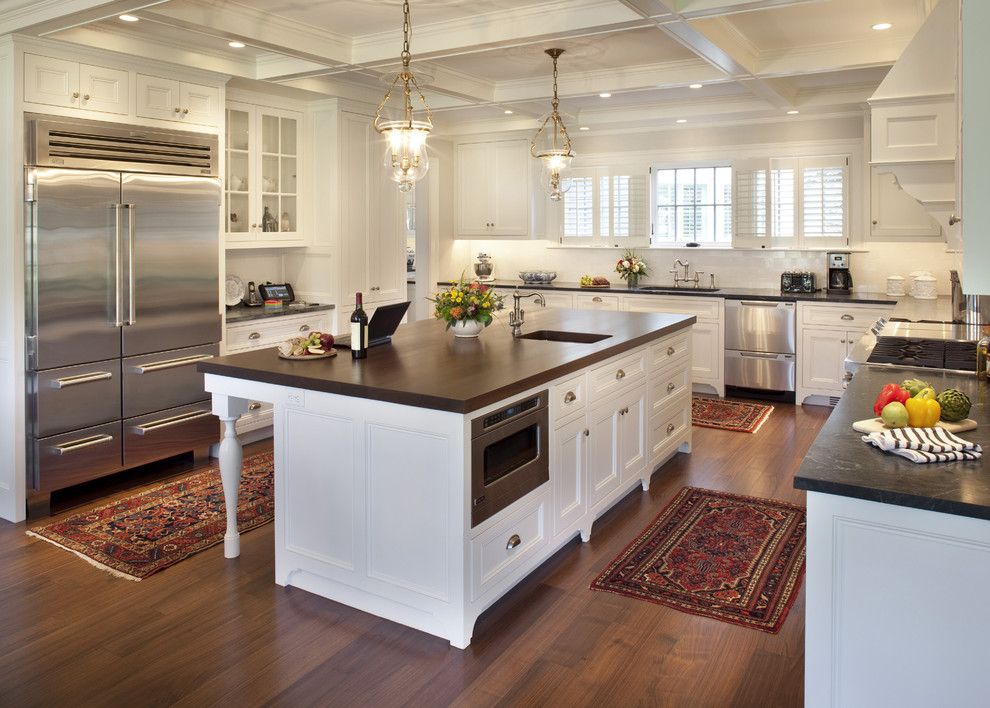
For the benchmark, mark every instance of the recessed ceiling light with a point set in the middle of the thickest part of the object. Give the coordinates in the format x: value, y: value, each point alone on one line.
x: 695, y: 86
x: 235, y: 45
x: 583, y: 127
x: 793, y: 112
x: 128, y: 18
x: 879, y: 26
x: 682, y: 120
x: 605, y: 95
x: 507, y: 112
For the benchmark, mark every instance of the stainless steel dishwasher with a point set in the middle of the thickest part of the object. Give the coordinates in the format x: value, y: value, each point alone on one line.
x: 760, y: 346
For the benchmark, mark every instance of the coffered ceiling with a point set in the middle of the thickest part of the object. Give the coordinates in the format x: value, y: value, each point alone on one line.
x: 754, y: 58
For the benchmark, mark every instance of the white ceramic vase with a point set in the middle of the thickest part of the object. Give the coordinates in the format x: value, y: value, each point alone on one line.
x: 467, y: 328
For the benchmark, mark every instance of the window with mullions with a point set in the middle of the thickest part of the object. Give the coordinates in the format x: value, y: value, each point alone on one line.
x: 605, y: 207
x: 692, y: 204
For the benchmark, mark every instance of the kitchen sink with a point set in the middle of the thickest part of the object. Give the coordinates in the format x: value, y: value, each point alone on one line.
x: 549, y: 335
x: 672, y: 289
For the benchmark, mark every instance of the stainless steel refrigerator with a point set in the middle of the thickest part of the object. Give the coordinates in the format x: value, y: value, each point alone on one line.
x: 122, y: 297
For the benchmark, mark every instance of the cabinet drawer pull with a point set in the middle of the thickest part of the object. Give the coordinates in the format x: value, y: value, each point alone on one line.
x: 75, y: 94
x: 185, y: 111
x: 953, y: 220
x: 671, y: 386
x: 172, y: 363
x: 619, y: 375
x: 178, y: 110
x: 848, y: 318
x: 254, y: 406
x: 169, y: 422
x: 304, y: 328
x: 569, y: 397
x: 596, y: 299
x: 671, y: 351
x: 86, y: 97
x: 254, y: 335
x: 670, y: 428
x: 81, y: 379
x: 513, y: 541
x: 587, y: 432
x: 81, y: 444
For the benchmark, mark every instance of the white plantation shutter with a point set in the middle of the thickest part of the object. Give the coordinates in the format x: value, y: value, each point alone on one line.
x: 606, y: 206
x: 629, y: 206
x: 783, y: 198
x: 824, y: 201
x: 579, y: 208
x: 751, y: 202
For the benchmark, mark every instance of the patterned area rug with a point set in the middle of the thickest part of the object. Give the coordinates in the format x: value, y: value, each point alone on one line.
x: 728, y: 415
x: 733, y: 558
x: 142, y: 534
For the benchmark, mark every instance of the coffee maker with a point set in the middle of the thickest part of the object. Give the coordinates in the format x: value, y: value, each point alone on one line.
x: 839, y: 278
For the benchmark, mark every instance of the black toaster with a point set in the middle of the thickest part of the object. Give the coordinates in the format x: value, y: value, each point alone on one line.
x: 797, y: 282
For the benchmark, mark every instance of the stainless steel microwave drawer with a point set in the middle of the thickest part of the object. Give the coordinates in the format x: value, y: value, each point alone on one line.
x: 76, y: 397
x: 170, y: 432
x: 79, y: 456
x: 154, y: 382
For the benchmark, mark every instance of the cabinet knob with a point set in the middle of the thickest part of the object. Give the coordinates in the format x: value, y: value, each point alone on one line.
x: 75, y: 94
x: 587, y: 432
x: 848, y: 317
x: 178, y: 110
x: 670, y: 428
x: 304, y: 328
x: 254, y: 226
x: 596, y: 299
x: 953, y: 220
x: 619, y: 375
x: 85, y: 96
x: 185, y: 111
x: 875, y: 222
x: 569, y: 397
x: 254, y: 406
x: 513, y: 541
x: 670, y: 351
x: 670, y: 387
x: 254, y: 335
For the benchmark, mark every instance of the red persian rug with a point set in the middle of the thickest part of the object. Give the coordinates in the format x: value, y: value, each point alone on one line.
x: 728, y: 415
x: 733, y: 558
x: 139, y: 535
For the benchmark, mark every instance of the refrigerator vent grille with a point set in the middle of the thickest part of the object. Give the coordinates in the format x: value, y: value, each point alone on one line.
x: 70, y: 145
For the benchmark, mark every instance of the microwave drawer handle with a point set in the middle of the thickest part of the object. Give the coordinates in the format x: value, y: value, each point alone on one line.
x: 67, y: 381
x: 81, y: 444
x: 169, y: 422
x: 171, y: 363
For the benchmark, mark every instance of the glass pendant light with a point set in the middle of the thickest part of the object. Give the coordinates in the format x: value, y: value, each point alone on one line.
x: 405, y: 129
x: 552, y: 145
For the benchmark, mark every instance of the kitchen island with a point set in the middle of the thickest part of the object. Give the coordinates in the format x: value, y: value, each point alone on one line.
x: 898, y: 562
x: 424, y: 482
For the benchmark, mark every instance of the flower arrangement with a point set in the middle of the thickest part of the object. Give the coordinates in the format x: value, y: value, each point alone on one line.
x: 630, y: 267
x: 466, y: 302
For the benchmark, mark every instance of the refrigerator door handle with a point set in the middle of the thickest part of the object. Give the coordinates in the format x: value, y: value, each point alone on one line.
x: 66, y: 448
x: 118, y: 318
x: 169, y: 422
x: 171, y: 363
x: 131, y: 226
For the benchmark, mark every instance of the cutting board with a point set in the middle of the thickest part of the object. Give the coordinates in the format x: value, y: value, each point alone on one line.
x: 875, y: 425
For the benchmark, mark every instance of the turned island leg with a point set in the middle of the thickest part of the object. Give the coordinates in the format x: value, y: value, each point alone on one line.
x: 228, y: 410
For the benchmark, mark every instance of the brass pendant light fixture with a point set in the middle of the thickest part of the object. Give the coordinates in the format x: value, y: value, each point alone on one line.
x: 406, y: 129
x: 552, y: 145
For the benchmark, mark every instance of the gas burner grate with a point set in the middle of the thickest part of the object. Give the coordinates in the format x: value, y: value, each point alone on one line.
x: 960, y: 356
x: 929, y: 353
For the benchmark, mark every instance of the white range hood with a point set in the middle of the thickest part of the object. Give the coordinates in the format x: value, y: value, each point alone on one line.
x: 914, y: 127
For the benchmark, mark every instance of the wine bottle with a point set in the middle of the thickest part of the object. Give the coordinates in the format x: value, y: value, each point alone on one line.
x: 359, y: 330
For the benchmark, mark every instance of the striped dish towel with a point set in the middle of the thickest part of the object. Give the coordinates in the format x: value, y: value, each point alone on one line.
x: 925, y: 444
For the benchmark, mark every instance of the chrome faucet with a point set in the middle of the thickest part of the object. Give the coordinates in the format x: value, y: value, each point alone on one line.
x: 517, y: 314
x: 696, y: 279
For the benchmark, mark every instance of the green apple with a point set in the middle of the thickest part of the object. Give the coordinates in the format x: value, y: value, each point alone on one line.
x: 894, y: 415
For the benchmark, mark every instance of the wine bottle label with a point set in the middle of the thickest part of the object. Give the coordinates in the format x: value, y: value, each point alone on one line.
x: 356, y: 336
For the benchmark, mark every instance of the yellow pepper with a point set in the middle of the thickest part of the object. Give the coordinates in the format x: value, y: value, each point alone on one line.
x: 922, y: 412
x: 927, y: 393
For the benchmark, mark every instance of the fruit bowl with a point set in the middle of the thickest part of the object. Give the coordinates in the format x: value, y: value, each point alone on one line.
x: 315, y: 345
x: 536, y: 277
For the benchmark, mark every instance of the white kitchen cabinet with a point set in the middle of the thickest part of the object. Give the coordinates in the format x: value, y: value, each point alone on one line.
x: 493, y: 188
x: 632, y: 433
x: 372, y: 218
x: 558, y: 300
x: 179, y: 101
x: 894, y: 213
x: 617, y: 441
x: 570, y: 462
x: 261, y: 187
x: 58, y: 82
x: 707, y: 335
x: 587, y: 301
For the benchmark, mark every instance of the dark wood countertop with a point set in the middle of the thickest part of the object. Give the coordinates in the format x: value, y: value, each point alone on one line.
x: 840, y: 463
x: 427, y: 367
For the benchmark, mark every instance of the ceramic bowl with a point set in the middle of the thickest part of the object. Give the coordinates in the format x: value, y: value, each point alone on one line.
x: 537, y: 276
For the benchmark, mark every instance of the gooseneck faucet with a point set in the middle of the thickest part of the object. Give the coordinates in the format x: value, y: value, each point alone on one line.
x: 517, y: 314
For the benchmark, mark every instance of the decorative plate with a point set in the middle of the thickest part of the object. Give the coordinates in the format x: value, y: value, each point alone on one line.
x: 307, y: 357
x: 234, y: 292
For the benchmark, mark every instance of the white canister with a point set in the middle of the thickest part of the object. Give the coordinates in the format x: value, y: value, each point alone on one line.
x: 923, y: 287
x: 895, y: 285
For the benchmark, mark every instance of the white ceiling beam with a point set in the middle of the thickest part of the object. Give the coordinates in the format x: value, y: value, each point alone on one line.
x: 43, y: 17
x: 691, y: 9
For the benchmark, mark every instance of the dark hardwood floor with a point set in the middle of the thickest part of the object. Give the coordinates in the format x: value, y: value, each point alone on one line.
x: 211, y: 631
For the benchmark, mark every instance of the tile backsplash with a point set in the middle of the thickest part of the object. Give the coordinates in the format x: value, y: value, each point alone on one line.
x: 733, y: 268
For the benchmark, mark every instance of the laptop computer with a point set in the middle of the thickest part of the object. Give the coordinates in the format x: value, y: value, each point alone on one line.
x: 381, y: 327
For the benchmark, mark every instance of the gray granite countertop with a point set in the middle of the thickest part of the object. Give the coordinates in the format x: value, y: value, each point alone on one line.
x: 767, y: 294
x: 242, y: 313
x: 838, y: 462
x: 914, y: 310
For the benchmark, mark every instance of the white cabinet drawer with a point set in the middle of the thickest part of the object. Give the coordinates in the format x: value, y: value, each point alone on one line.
x: 568, y: 397
x: 618, y: 374
x: 671, y: 351
x: 848, y: 316
x: 262, y: 333
x: 706, y: 309
x: 587, y: 301
x: 668, y: 384
x: 498, y: 552
x: 668, y: 426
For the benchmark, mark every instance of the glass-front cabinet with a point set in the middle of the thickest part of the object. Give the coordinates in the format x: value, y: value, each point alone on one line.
x: 261, y: 189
